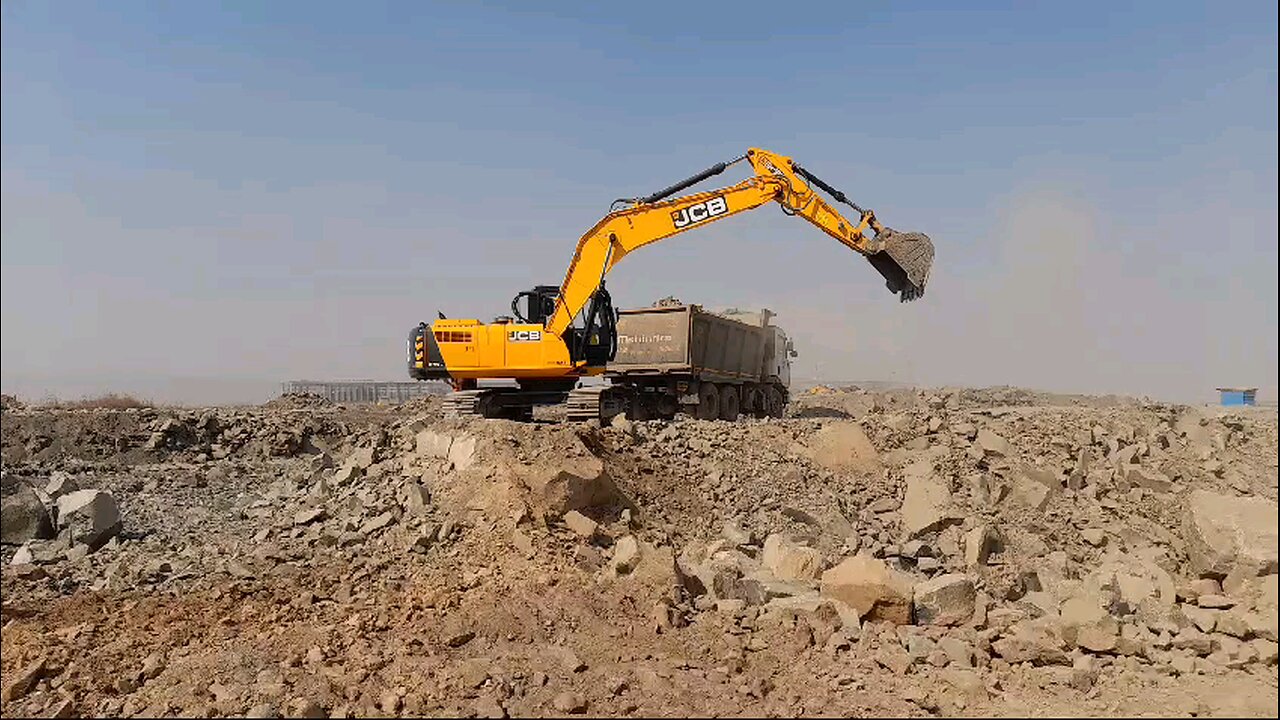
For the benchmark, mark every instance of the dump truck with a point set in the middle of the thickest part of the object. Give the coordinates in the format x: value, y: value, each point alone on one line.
x: 681, y: 358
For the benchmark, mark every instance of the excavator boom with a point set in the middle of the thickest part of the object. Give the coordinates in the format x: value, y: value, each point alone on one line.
x: 904, y: 259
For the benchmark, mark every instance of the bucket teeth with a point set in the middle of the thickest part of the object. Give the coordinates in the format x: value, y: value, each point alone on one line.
x: 905, y: 262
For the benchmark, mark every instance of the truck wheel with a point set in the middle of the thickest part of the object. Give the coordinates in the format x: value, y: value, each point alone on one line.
x: 729, y: 402
x: 708, y: 402
x: 776, y: 403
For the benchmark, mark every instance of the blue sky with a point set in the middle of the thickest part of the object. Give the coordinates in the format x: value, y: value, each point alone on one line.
x: 208, y: 192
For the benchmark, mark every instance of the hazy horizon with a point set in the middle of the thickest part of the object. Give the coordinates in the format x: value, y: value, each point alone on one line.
x: 204, y: 201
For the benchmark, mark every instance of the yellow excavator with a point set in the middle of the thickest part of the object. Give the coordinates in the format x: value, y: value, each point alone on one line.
x: 557, y: 335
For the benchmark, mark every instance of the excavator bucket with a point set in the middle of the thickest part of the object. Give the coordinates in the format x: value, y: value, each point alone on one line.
x: 904, y: 262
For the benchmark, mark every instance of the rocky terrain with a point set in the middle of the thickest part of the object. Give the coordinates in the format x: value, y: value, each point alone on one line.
x: 911, y: 553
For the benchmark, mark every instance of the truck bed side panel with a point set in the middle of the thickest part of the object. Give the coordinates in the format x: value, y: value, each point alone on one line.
x: 685, y: 340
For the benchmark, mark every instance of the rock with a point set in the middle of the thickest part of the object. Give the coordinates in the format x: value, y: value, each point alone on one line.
x: 894, y: 658
x: 959, y: 652
x: 60, y: 483
x: 842, y: 445
x: 23, y: 681
x: 883, y: 505
x: 1033, y: 487
x: 734, y: 534
x: 390, y: 702
x: 1035, y: 641
x: 1085, y: 623
x: 979, y: 543
x: 1215, y: 602
x: 626, y: 555
x: 487, y: 706
x: 871, y: 588
x: 790, y: 561
x: 1080, y: 473
x: 993, y: 444
x: 1094, y: 536
x: 1205, y: 620
x: 263, y: 710
x: 1265, y: 649
x: 309, y: 515
x: 944, y: 600
x: 926, y: 504
x: 580, y: 524
x: 1225, y: 533
x: 576, y: 481
x: 346, y: 474
x: 459, y: 638
x: 1153, y: 480
x: 569, y: 702
x: 305, y: 708
x: 1128, y: 584
x: 417, y: 499
x: 376, y: 523
x: 88, y: 516
x: 22, y: 516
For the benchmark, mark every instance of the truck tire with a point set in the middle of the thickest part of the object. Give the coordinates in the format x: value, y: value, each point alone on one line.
x: 708, y: 402
x: 730, y: 401
x: 777, y: 404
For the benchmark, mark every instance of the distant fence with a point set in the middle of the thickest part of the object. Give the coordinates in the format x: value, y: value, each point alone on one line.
x: 364, y: 391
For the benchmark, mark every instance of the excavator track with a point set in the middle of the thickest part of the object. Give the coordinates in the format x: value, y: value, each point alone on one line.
x: 464, y: 403
x: 594, y: 403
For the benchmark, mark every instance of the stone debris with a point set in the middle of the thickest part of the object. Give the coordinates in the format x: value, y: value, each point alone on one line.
x: 874, y: 535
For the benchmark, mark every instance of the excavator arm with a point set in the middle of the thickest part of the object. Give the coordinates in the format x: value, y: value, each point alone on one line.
x: 904, y: 259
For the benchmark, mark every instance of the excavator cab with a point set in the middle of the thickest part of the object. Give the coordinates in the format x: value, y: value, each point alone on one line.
x: 595, y: 341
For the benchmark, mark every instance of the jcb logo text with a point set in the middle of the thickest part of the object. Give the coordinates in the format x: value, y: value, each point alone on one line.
x: 524, y: 336
x: 702, y: 211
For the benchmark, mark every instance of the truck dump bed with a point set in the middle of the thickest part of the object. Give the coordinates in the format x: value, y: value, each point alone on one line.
x: 686, y: 340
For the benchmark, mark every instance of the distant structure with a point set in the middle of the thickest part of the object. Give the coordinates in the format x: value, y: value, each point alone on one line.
x: 365, y: 391
x: 1238, y: 396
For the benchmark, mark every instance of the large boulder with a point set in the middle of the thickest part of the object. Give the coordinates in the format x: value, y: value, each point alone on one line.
x: 90, y: 517
x: 22, y: 516
x: 876, y: 591
x: 1227, y: 533
x: 788, y: 560
x: 843, y: 446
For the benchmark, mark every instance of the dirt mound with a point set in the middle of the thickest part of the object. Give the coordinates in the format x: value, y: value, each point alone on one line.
x: 298, y: 401
x: 9, y: 402
x: 904, y: 552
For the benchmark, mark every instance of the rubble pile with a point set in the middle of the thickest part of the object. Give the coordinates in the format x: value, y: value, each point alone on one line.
x: 904, y: 552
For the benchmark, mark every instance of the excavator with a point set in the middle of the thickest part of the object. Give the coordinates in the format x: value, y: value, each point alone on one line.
x: 557, y: 335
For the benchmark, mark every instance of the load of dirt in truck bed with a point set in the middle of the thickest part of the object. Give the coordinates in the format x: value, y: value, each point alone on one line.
x: 906, y: 552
